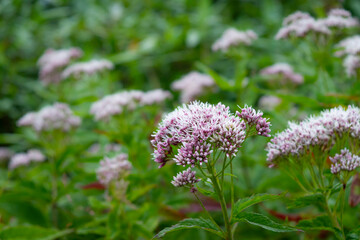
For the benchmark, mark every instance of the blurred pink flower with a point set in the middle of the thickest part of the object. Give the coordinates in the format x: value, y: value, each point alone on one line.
x: 192, y: 85
x: 233, y: 37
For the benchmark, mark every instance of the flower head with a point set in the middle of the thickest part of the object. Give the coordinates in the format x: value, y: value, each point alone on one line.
x: 53, y: 61
x: 115, y: 104
x: 23, y: 159
x: 113, y: 169
x: 36, y: 155
x: 196, y: 130
x: 351, y: 64
x: 300, y: 24
x: 232, y: 37
x: 339, y: 18
x: 5, y: 154
x: 89, y: 68
x: 314, y: 132
x: 269, y: 102
x: 350, y: 45
x: 185, y: 178
x: 192, y: 85
x: 345, y: 161
x: 56, y: 117
x: 19, y: 159
x: 285, y: 71
x: 296, y: 16
x: 254, y: 118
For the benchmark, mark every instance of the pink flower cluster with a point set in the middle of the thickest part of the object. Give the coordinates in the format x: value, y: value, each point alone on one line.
x: 185, y: 178
x: 192, y: 85
x: 113, y: 169
x: 232, y: 37
x: 339, y: 18
x: 53, y: 61
x: 269, y: 102
x: 319, y: 132
x: 284, y: 71
x: 23, y: 159
x: 88, y: 68
x: 254, y: 118
x: 116, y: 103
x: 299, y: 24
x: 351, y: 64
x: 56, y: 117
x: 193, y: 131
x: 345, y: 161
x: 5, y: 154
x: 351, y: 47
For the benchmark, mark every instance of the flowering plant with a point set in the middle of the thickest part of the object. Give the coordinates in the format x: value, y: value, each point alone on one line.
x: 207, y: 138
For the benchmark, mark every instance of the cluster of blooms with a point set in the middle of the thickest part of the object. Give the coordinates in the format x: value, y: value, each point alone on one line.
x: 113, y: 169
x: 5, y: 153
x: 233, y: 37
x: 89, y: 68
x: 185, y: 178
x: 339, y: 18
x: 299, y: 24
x: 351, y: 64
x: 254, y: 118
x: 116, y: 103
x: 314, y: 132
x: 285, y: 71
x: 21, y: 159
x: 269, y: 102
x: 53, y: 61
x: 111, y: 147
x: 197, y: 129
x: 345, y: 161
x: 56, y: 117
x: 192, y: 85
x: 351, y: 47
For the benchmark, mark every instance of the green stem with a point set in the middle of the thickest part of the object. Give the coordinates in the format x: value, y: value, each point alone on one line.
x: 206, y: 211
x: 223, y: 173
x: 214, y: 180
x: 232, y: 189
x: 54, y: 192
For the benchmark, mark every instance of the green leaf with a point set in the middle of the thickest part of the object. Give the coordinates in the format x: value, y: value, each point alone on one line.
x: 25, y: 211
x: 205, y: 191
x: 198, y: 223
x: 354, y: 234
x: 320, y: 223
x: 32, y: 232
x: 244, y: 203
x: 220, y: 81
x: 315, y: 199
x: 136, y: 193
x: 262, y: 221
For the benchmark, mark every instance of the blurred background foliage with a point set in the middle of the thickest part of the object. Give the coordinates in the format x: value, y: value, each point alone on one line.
x: 152, y: 43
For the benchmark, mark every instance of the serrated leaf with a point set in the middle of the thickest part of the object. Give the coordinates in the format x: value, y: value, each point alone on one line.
x: 244, y: 203
x: 262, y: 221
x: 32, y: 232
x: 320, y: 223
x: 315, y: 199
x: 199, y: 223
